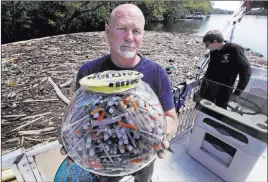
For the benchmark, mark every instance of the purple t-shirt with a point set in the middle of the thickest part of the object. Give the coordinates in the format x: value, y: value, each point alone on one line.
x: 152, y: 72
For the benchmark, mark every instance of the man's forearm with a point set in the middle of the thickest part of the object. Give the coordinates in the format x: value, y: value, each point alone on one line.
x: 244, y: 77
x: 244, y: 71
x: 172, y: 125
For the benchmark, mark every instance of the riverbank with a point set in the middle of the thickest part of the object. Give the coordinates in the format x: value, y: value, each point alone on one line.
x: 27, y: 93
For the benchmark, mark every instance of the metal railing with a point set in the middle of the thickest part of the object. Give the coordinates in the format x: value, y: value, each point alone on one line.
x: 187, y: 112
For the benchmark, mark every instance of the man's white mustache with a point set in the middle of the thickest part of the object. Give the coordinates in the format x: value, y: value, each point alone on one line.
x: 132, y: 46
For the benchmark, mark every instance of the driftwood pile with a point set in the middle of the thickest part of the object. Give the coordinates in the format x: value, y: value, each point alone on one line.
x: 38, y: 77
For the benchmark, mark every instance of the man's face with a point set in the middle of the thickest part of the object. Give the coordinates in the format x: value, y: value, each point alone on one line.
x: 125, y: 34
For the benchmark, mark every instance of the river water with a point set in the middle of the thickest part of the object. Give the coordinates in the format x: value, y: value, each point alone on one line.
x: 251, y: 32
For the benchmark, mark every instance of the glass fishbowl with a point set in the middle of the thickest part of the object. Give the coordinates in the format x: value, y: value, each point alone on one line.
x: 114, y: 124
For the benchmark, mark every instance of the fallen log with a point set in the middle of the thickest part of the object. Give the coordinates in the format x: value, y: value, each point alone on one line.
x: 14, y: 116
x: 34, y: 116
x: 56, y: 72
x: 12, y: 140
x: 46, y: 100
x: 33, y: 139
x: 38, y: 132
x: 27, y: 124
x: 35, y: 85
x: 22, y: 141
x: 40, y: 140
x: 43, y: 80
x: 5, y: 122
x: 58, y: 92
x: 68, y: 83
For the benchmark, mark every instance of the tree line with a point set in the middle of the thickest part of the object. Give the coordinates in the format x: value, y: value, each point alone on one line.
x: 22, y: 20
x: 221, y: 11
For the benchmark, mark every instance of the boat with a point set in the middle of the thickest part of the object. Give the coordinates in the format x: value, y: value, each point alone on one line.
x: 208, y: 145
x: 211, y: 143
x: 195, y: 16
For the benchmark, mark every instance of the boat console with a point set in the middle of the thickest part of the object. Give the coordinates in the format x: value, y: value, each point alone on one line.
x: 230, y: 141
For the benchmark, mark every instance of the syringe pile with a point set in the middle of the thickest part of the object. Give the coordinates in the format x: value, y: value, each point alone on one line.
x: 113, y: 134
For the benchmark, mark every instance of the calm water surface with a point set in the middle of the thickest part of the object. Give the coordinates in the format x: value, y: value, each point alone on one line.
x: 251, y: 32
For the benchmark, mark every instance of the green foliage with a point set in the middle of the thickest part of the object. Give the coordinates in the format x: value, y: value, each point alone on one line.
x: 31, y: 19
x: 15, y: 17
x: 151, y: 9
x: 100, y: 16
x: 205, y: 7
x: 174, y: 9
x: 221, y: 11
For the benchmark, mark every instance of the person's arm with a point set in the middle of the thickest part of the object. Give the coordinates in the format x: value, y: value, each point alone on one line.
x: 244, y: 70
x: 165, y: 97
x: 172, y: 122
x: 166, y: 100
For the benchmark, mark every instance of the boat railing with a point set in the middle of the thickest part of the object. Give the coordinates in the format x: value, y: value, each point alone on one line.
x: 186, y: 113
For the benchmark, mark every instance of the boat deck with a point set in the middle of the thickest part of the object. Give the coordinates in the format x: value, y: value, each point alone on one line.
x: 177, y: 166
x: 182, y: 167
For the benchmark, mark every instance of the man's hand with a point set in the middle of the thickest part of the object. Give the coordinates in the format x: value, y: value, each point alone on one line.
x: 64, y: 152
x: 172, y: 123
x: 171, y: 130
x: 171, y: 127
x: 161, y: 152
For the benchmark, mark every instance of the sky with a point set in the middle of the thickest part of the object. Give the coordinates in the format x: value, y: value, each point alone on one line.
x: 227, y: 5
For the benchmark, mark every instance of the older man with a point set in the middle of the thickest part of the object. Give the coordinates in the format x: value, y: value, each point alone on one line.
x: 125, y: 33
